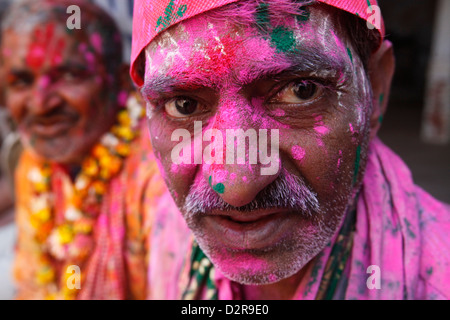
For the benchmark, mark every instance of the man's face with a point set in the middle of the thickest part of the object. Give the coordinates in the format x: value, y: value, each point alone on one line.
x: 301, y: 77
x: 56, y: 90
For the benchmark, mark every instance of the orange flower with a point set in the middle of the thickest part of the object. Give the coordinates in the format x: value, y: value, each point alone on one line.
x: 123, y: 149
x: 99, y: 187
x: 90, y: 167
x: 99, y: 151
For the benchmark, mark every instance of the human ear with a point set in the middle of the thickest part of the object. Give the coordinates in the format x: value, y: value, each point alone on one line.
x: 381, y: 72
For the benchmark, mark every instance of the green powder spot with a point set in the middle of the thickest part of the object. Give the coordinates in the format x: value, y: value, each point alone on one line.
x: 262, y: 16
x: 283, y: 39
x: 304, y: 15
x: 429, y: 271
x: 357, y: 14
x: 350, y: 54
x: 408, y: 228
x: 357, y: 160
x: 381, y: 99
x: 380, y: 119
x: 219, y: 188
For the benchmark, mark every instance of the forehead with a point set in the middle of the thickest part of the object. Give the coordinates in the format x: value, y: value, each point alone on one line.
x: 50, y: 43
x: 207, y: 45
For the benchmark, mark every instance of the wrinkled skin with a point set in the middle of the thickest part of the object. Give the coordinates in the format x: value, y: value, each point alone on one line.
x: 57, y: 90
x: 323, y: 136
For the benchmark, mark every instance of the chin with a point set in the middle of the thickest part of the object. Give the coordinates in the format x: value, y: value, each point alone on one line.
x: 261, y: 267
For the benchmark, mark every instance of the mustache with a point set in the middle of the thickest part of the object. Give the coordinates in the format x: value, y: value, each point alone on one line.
x: 59, y: 113
x: 287, y: 191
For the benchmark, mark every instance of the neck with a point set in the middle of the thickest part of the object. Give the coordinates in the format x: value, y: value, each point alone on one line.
x: 281, y: 290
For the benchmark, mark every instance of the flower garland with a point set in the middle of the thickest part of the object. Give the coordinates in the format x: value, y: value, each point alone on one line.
x: 72, y: 240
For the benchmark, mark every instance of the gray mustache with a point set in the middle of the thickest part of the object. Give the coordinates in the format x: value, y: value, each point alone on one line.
x: 285, y: 192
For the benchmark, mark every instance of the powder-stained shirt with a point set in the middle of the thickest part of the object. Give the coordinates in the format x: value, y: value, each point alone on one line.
x: 117, y: 266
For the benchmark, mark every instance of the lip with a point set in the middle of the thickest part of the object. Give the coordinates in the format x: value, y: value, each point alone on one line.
x: 252, y: 230
x: 51, y: 127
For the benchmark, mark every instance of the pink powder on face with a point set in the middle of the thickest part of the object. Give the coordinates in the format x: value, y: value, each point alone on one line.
x: 244, y: 178
x: 320, y: 143
x: 174, y: 168
x: 90, y: 58
x: 321, y: 130
x: 96, y: 41
x: 45, y: 82
x: 279, y: 113
x: 219, y: 175
x: 351, y: 128
x: 233, y: 176
x: 320, y: 127
x: 340, y: 159
x: 298, y: 153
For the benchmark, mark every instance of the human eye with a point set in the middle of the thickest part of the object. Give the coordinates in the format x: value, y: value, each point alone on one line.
x: 73, y: 75
x: 298, y: 92
x: 19, y: 81
x: 183, y: 107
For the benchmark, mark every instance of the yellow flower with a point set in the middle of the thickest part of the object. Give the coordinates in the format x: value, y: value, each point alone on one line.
x: 43, y: 215
x: 45, y: 275
x: 65, y: 234
x: 124, y: 118
x: 41, y: 186
x: 125, y: 133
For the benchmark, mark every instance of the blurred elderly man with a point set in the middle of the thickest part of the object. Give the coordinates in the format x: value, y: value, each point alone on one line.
x: 340, y: 217
x: 82, y: 179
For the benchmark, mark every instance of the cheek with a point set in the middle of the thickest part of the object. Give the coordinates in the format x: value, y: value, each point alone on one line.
x: 16, y: 105
x: 87, y: 98
x: 324, y: 161
x: 178, y: 177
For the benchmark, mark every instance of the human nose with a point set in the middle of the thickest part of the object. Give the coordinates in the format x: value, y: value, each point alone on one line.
x: 43, y: 97
x: 250, y: 161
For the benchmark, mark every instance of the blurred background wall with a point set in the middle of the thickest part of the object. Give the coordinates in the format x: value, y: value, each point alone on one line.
x: 410, y: 26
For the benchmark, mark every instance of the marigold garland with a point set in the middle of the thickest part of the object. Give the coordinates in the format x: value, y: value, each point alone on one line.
x: 71, y: 241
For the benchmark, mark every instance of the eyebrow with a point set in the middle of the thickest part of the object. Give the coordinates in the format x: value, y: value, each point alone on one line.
x: 305, y: 60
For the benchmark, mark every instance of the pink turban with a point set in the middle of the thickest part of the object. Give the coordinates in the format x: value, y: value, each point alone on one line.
x: 153, y: 16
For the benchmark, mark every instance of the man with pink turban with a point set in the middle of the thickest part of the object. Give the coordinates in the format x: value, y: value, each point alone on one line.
x: 340, y: 216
